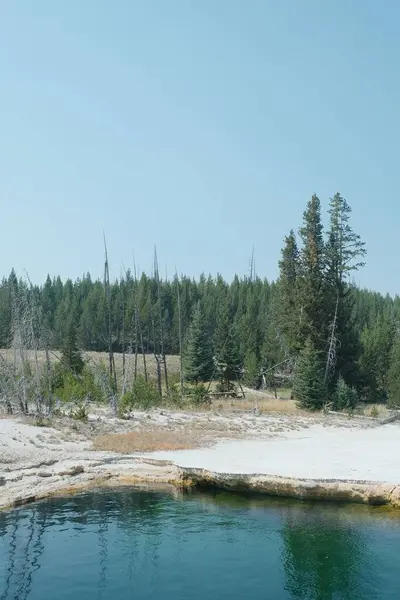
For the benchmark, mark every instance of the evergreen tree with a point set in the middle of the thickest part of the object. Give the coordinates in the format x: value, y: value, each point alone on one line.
x: 251, y: 370
x: 313, y: 317
x: 288, y: 305
x: 394, y: 375
x: 226, y: 343
x: 375, y: 360
x: 343, y: 253
x: 48, y: 302
x: 198, y: 362
x: 308, y: 385
x: 250, y: 321
x: 229, y: 361
x: 5, y: 315
x: 345, y: 397
x: 71, y: 357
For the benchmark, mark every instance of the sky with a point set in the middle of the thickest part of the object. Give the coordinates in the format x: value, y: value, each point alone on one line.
x: 200, y: 127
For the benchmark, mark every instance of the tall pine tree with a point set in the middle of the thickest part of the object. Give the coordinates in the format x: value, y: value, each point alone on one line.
x: 308, y: 385
x: 312, y: 301
x: 198, y: 362
x: 288, y: 306
x: 394, y: 374
x: 344, y: 252
x: 71, y: 357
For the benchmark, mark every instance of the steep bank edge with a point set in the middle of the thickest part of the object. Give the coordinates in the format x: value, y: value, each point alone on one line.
x: 166, y: 473
x: 361, y: 492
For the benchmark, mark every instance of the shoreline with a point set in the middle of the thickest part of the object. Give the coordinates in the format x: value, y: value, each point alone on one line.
x: 308, y: 459
x: 177, y: 478
x: 144, y: 473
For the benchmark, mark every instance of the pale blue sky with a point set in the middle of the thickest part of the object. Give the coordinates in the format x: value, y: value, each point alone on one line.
x: 200, y: 126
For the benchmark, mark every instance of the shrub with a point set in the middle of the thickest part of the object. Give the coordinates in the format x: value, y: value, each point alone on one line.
x: 251, y: 370
x: 374, y: 412
x: 173, y: 395
x: 41, y: 421
x: 143, y: 395
x: 200, y: 396
x: 345, y: 397
x: 308, y: 386
x: 70, y: 387
x: 79, y: 413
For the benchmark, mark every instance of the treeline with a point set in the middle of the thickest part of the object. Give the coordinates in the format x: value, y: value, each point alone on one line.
x: 258, y: 329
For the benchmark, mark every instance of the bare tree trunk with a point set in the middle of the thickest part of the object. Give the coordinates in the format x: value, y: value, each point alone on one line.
x: 48, y: 373
x: 331, y: 356
x: 165, y: 371
x: 161, y: 331
x: 107, y: 290
x: 136, y: 347
x: 19, y: 341
x: 144, y: 357
x: 156, y: 357
x: 123, y: 340
x: 180, y: 338
x: 34, y: 319
x: 136, y: 329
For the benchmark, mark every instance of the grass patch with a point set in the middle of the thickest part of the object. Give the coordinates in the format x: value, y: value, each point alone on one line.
x: 146, y: 441
x: 173, y: 361
x: 41, y: 421
x: 264, y: 405
x: 375, y: 410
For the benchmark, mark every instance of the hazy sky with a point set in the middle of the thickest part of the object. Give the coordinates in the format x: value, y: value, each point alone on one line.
x: 200, y: 126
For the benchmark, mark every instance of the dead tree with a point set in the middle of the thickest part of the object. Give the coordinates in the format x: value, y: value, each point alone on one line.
x: 107, y: 292
x: 157, y: 356
x: 123, y: 338
x: 19, y: 344
x: 37, y: 338
x: 252, y: 266
x: 136, y: 323
x: 333, y: 342
x: 161, y: 358
x: 180, y: 337
x: 143, y: 353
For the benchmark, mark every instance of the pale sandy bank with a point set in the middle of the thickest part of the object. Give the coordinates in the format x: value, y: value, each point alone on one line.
x: 317, y: 452
x: 314, y: 457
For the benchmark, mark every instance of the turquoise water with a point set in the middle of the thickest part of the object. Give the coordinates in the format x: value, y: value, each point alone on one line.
x: 146, y: 545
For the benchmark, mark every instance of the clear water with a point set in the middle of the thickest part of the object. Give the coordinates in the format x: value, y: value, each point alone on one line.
x: 131, y: 544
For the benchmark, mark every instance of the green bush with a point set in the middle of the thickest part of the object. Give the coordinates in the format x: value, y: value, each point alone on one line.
x: 70, y: 387
x: 345, y: 397
x: 41, y: 421
x: 200, y: 396
x: 173, y: 395
x: 374, y: 412
x: 143, y: 395
x: 79, y: 413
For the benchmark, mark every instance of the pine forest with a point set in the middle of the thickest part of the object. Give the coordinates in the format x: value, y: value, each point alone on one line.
x: 313, y: 331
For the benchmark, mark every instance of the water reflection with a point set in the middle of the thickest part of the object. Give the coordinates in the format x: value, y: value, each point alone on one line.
x: 106, y: 544
x: 24, y: 552
x: 322, y: 556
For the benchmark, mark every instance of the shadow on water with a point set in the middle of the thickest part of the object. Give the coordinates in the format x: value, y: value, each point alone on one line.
x: 103, y: 543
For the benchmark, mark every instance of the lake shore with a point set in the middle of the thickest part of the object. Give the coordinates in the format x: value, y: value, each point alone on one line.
x: 316, y: 457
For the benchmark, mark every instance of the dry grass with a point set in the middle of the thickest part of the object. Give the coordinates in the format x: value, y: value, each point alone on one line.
x: 287, y: 407
x: 173, y: 362
x: 145, y: 441
x: 261, y: 400
x: 375, y: 410
x: 95, y: 358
